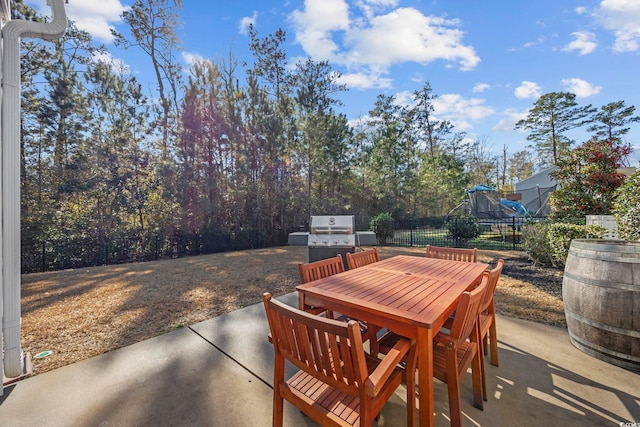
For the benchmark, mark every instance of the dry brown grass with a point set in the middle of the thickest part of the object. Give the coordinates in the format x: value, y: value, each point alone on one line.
x: 82, y: 313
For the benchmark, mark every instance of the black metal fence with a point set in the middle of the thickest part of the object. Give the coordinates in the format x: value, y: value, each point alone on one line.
x: 90, y: 251
x: 496, y: 233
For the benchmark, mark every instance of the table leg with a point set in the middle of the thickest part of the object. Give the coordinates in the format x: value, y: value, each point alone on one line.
x: 425, y: 377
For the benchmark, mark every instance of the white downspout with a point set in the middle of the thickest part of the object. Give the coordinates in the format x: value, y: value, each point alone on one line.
x: 10, y: 152
x: 5, y: 17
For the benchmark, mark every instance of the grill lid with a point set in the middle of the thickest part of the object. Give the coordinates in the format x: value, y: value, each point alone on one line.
x: 336, y: 224
x: 332, y: 230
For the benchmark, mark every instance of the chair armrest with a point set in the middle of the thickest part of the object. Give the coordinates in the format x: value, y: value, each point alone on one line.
x: 444, y: 340
x: 386, y: 366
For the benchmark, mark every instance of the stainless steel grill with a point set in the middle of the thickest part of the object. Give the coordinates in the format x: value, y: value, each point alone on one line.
x: 330, y: 235
x: 338, y: 230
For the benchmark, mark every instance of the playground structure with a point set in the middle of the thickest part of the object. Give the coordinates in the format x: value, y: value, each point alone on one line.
x: 536, y: 199
x: 497, y: 214
x: 484, y: 202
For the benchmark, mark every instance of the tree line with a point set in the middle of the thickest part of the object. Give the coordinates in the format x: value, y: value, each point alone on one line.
x: 237, y: 145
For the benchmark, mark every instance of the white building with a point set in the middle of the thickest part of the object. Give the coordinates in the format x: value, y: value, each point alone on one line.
x: 535, y: 191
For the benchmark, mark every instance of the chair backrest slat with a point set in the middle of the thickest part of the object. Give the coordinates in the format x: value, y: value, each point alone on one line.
x: 325, y: 348
x: 453, y: 254
x: 320, y: 269
x: 493, y: 277
x: 467, y: 311
x: 360, y: 259
x: 323, y: 355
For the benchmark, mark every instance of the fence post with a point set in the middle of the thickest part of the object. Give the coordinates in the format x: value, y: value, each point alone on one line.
x: 411, y: 233
x: 513, y: 231
x: 44, y: 251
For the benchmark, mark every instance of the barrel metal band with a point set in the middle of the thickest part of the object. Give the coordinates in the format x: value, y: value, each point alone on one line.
x: 581, y: 253
x: 605, y: 351
x: 600, y: 325
x: 601, y: 283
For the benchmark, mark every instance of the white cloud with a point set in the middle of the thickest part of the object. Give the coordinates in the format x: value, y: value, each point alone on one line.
x: 405, y: 98
x: 461, y: 125
x: 406, y: 35
x: 315, y: 24
x: 509, y: 119
x: 95, y: 17
x: 417, y: 78
x: 622, y: 17
x: 371, y: 7
x: 246, y: 22
x: 363, y: 80
x: 191, y: 58
x: 536, y: 42
x: 455, y: 104
x: 584, y: 42
x: 117, y: 65
x: 581, y: 88
x: 540, y: 40
x: 379, y: 3
x: 528, y: 90
x: 360, y: 123
x: 481, y: 87
x: 369, y: 43
x: 461, y: 111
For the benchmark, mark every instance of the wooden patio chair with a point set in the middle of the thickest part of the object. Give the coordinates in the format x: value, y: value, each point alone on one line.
x: 454, y: 352
x: 454, y: 254
x: 487, y: 321
x: 488, y: 313
x: 318, y: 270
x: 360, y: 259
x: 337, y: 383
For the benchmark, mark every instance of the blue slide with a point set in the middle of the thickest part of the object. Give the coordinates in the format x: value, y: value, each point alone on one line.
x: 518, y: 208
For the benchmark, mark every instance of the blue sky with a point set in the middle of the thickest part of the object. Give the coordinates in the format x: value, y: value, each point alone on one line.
x: 487, y: 61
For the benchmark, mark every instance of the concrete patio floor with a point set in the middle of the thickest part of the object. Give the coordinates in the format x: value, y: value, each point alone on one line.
x: 219, y: 373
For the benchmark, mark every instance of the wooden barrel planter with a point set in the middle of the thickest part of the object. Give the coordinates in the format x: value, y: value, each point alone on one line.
x: 601, y: 293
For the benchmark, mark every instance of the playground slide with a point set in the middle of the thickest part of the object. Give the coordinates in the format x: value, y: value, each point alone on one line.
x: 518, y: 208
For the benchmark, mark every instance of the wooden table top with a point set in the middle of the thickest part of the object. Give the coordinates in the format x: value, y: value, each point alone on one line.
x: 404, y: 289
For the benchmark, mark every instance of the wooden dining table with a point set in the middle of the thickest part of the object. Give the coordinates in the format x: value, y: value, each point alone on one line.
x: 410, y: 295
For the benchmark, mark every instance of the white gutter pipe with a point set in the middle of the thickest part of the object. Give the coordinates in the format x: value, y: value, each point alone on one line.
x: 10, y: 152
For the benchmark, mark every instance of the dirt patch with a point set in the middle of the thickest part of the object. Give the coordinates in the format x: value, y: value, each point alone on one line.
x: 81, y: 313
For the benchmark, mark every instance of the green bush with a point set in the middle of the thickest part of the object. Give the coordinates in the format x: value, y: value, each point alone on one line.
x: 626, y: 208
x: 535, y: 243
x: 382, y: 225
x: 464, y: 228
x: 548, y: 242
x: 559, y: 236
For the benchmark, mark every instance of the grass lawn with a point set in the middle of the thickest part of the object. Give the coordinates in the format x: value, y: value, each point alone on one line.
x: 81, y: 313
